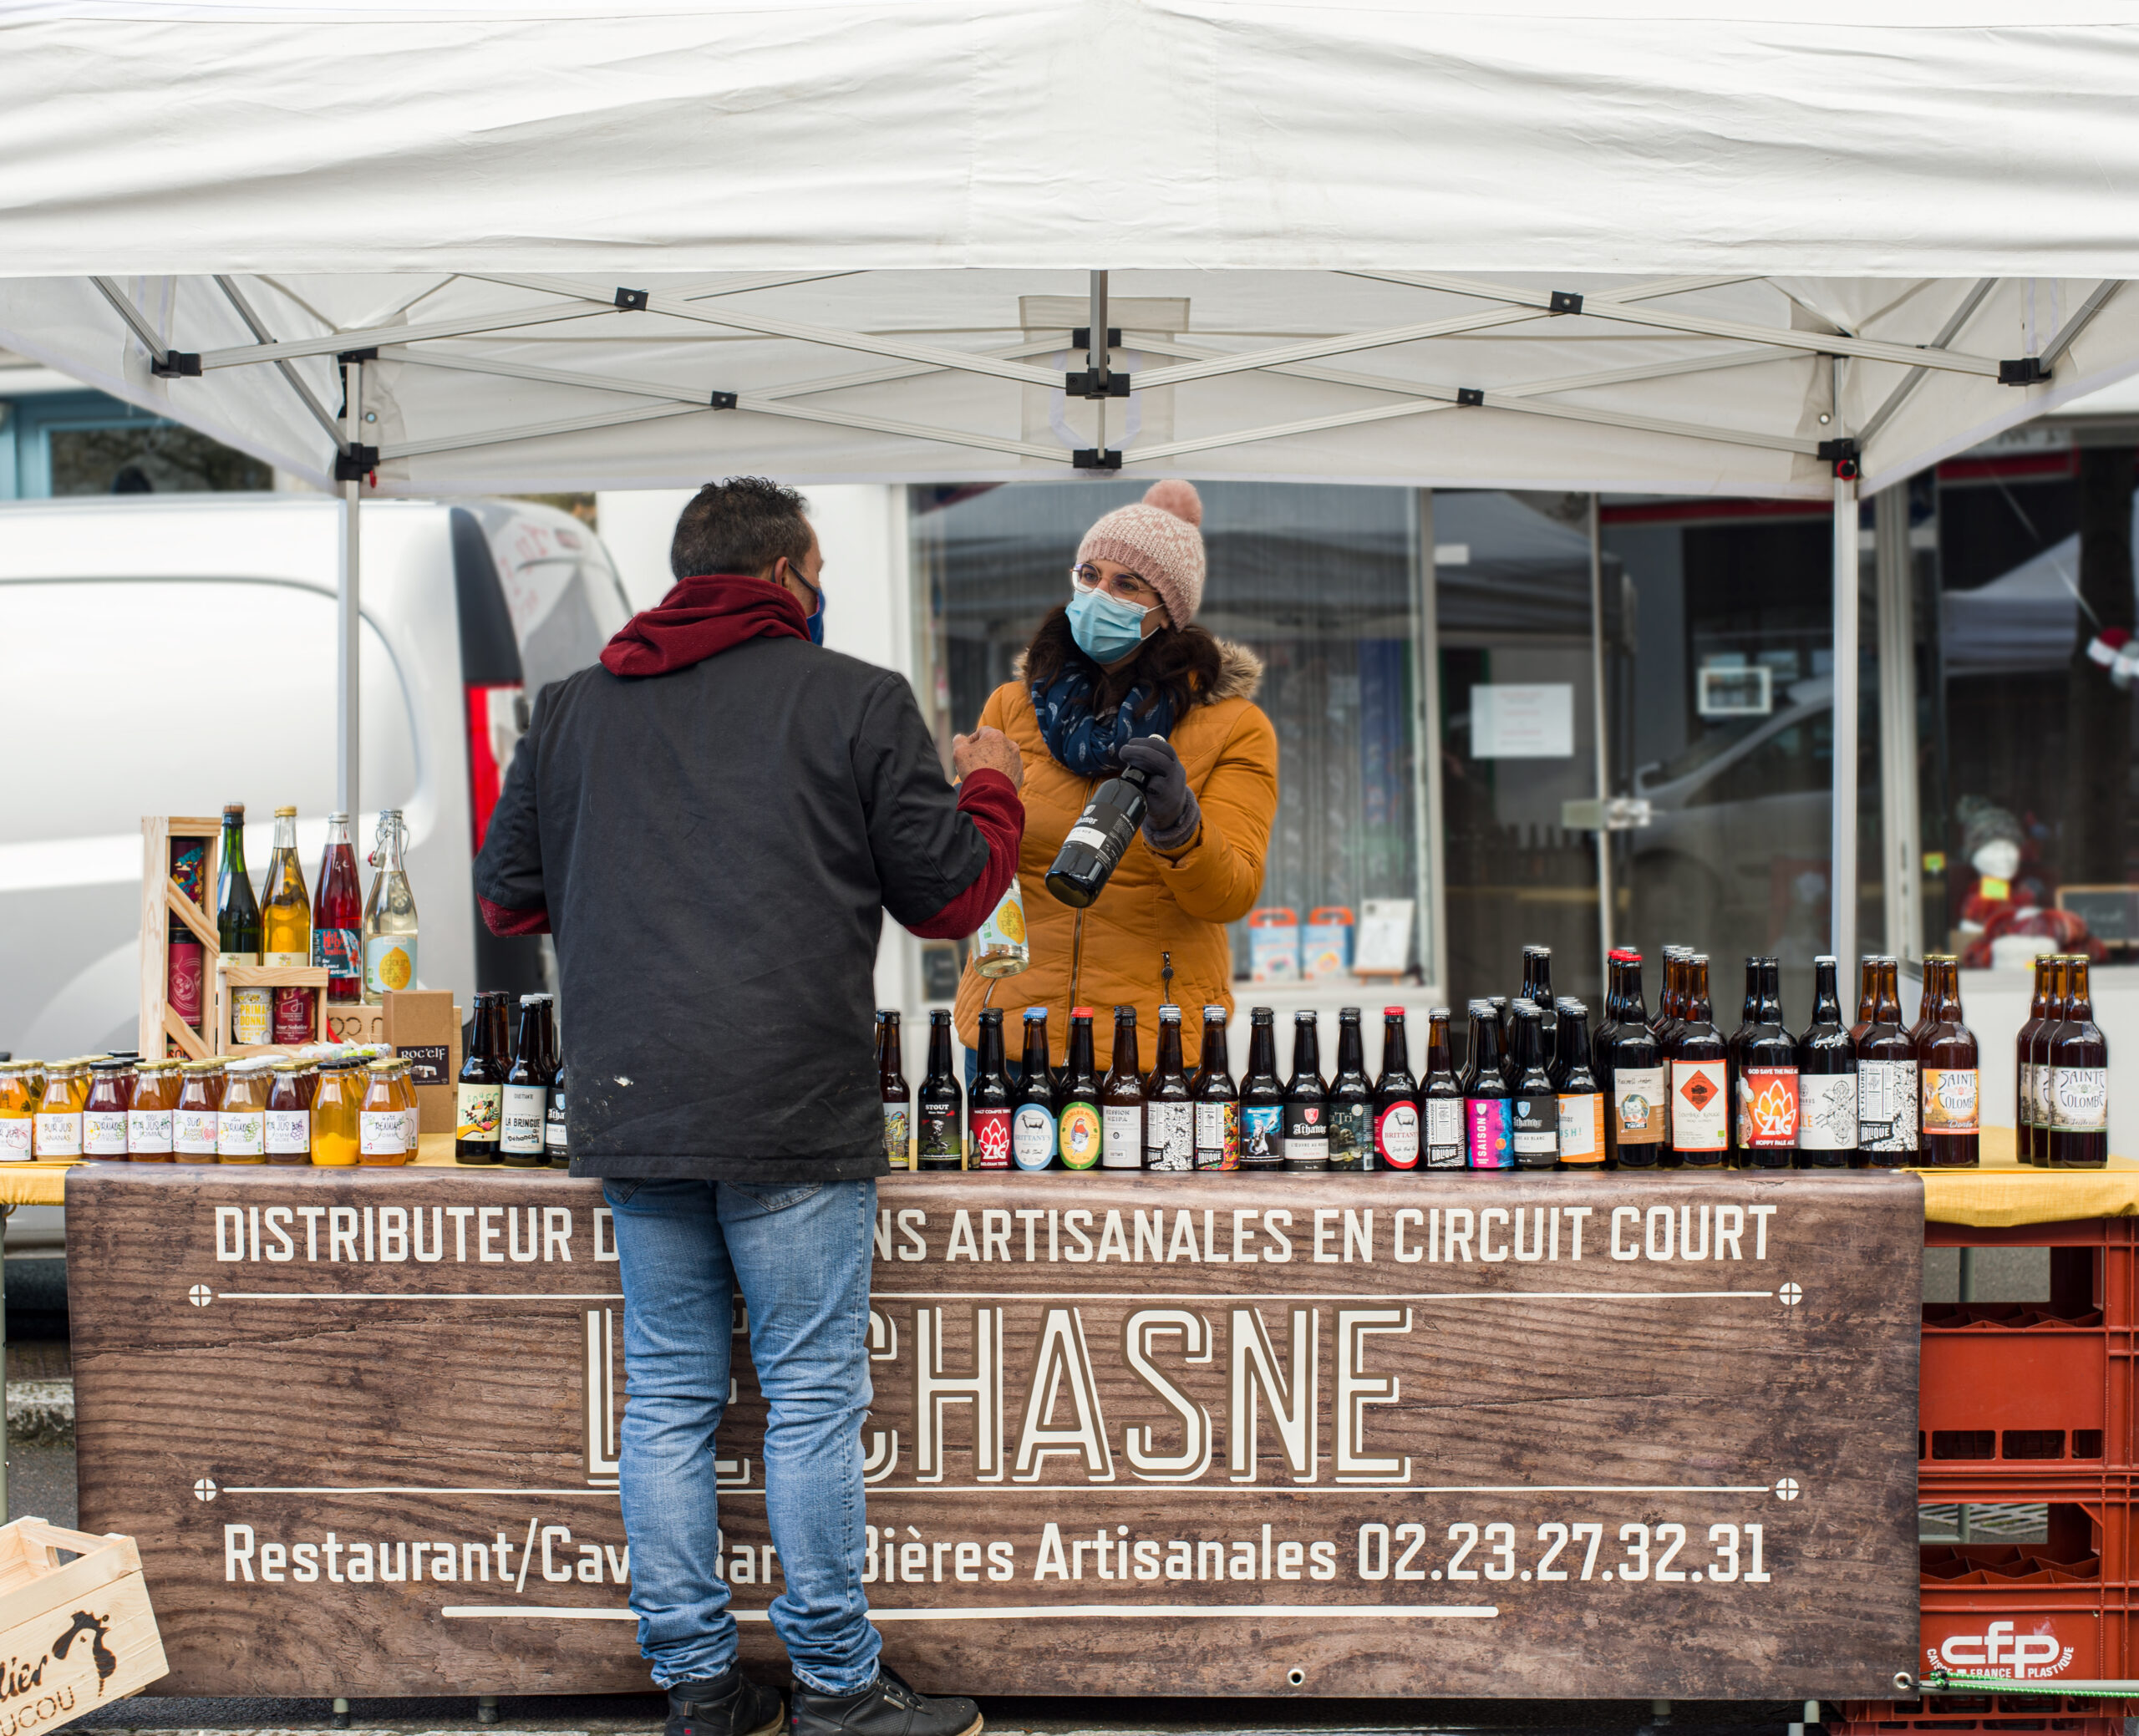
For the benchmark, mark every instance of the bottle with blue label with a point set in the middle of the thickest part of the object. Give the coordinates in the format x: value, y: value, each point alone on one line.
x: 1031, y: 1121
x: 1262, y: 1097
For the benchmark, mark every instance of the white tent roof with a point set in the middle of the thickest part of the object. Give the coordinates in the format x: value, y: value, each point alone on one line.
x: 1324, y: 226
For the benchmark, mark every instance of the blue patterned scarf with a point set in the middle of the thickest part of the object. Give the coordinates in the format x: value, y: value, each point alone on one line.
x: 1085, y: 742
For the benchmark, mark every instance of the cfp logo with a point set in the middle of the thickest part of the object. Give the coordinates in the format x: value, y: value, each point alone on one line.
x: 2025, y: 1656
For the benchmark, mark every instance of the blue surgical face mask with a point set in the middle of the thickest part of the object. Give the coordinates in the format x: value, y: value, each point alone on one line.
x: 815, y: 621
x: 1105, y: 628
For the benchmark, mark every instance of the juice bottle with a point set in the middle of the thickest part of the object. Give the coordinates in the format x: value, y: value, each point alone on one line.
x: 382, y: 1126
x: 200, y: 1103
x: 338, y: 915
x: 58, y: 1134
x: 389, y: 914
x: 404, y: 1086
x: 151, y: 1115
x: 17, y: 1112
x: 103, y: 1112
x: 241, y: 1118
x: 288, y: 1121
x: 334, y: 1111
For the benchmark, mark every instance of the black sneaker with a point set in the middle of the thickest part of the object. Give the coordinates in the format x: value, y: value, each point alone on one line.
x: 730, y: 1705
x: 886, y: 1707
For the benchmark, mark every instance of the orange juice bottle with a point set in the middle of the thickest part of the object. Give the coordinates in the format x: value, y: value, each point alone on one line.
x: 241, y: 1119
x: 334, y: 1112
x: 151, y: 1114
x: 57, y: 1137
x: 17, y: 1112
x: 199, y: 1102
x: 404, y: 1083
x: 383, y: 1122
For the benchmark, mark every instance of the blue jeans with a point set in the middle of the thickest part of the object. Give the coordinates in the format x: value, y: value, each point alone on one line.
x: 801, y: 1256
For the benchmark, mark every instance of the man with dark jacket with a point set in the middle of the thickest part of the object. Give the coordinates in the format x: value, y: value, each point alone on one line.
x: 712, y: 823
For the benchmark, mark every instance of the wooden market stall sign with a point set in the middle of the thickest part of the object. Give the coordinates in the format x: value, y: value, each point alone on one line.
x: 1628, y: 1436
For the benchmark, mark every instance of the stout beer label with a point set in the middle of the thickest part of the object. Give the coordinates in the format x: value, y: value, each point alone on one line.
x: 1032, y: 1136
x: 1700, y: 1117
x: 1950, y: 1100
x: 1082, y: 1135
x: 938, y: 1142
x: 1638, y: 1105
x: 1582, y: 1127
x: 1396, y: 1135
x: 1826, y: 1111
x: 1490, y: 1124
x: 1768, y: 1106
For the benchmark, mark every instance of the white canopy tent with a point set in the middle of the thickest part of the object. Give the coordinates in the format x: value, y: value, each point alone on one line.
x: 424, y: 249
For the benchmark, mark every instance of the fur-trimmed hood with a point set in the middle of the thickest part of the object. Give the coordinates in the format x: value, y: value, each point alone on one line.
x: 1240, y: 674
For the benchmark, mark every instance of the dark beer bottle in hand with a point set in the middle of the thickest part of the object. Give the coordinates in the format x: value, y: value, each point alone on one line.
x: 1396, y: 1098
x: 1121, y: 1097
x: 1218, y: 1100
x: 1095, y: 844
x: 892, y: 1092
x: 1351, y: 1098
x: 1031, y: 1121
x: 1262, y: 1097
x: 939, y: 1110
x: 988, y: 1105
x: 1307, y: 1100
x: 1078, y: 1128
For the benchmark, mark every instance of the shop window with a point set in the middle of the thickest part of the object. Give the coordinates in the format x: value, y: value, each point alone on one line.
x: 143, y: 458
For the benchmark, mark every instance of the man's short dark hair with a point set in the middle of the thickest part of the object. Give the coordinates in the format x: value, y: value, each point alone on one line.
x: 742, y: 525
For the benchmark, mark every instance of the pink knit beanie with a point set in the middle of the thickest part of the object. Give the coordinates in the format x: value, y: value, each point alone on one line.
x: 1157, y: 538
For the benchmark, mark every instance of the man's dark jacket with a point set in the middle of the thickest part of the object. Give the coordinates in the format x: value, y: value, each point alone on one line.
x: 714, y: 848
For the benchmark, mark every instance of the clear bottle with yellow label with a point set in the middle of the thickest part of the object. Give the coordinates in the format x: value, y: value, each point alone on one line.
x: 389, y: 914
x: 334, y: 1112
x: 17, y: 1112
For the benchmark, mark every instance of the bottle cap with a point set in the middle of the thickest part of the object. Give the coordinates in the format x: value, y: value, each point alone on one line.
x: 1348, y: 1015
x: 1032, y: 1013
x: 1080, y: 1013
x: 1395, y: 1012
x: 1169, y: 1014
x: 1212, y: 1009
x: 1437, y: 1013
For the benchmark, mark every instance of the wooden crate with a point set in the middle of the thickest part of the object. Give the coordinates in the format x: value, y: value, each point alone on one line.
x: 163, y: 1033
x: 352, y: 1021
x: 78, y: 1634
x: 233, y: 976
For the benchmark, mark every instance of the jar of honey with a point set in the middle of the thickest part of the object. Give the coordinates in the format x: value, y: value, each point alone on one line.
x: 151, y: 1116
x: 200, y: 1103
x: 104, y: 1111
x: 384, y: 1125
x: 241, y: 1118
x: 17, y: 1112
x: 334, y: 1112
x: 57, y: 1137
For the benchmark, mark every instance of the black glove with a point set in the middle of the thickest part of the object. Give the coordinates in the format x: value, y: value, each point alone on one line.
x: 1171, y: 815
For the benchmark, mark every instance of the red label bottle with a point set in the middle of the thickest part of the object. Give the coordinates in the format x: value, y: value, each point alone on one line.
x: 338, y: 915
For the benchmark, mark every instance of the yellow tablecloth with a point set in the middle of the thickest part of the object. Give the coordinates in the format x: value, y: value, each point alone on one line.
x: 2001, y: 1195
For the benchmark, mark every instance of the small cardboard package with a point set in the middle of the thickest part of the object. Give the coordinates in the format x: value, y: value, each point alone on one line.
x: 424, y: 1026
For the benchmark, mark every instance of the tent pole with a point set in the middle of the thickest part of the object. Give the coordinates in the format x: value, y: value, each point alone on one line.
x: 1095, y: 359
x: 1842, y: 871
x: 1893, y: 574
x: 347, y: 611
x: 1598, y: 714
x: 1425, y: 760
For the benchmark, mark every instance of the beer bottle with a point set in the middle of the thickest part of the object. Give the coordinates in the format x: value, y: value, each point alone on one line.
x: 1826, y: 1077
x: 1768, y: 1090
x: 1169, y: 1105
x: 1095, y: 844
x: 1351, y: 1098
x: 1582, y: 1099
x: 1948, y: 1074
x: 1218, y: 1100
x: 237, y: 934
x: 1031, y: 1121
x: 479, y: 1094
x: 1079, y: 1128
x: 1488, y: 1113
x: 557, y: 1129
x: 2079, y: 1080
x: 1440, y: 1097
x: 1700, y: 1102
x: 1307, y: 1100
x: 2024, y: 1094
x: 892, y: 1092
x: 524, y: 1096
x: 1749, y: 1013
x: 1540, y: 996
x: 1535, y: 1115
x: 1504, y: 1040
x: 1396, y: 1094
x: 1867, y: 995
x: 1262, y: 1097
x: 1927, y: 1009
x: 2059, y: 998
x: 987, y: 1104
x: 1121, y: 1097
x: 1887, y: 1135
x: 939, y: 1109
x: 1636, y: 1121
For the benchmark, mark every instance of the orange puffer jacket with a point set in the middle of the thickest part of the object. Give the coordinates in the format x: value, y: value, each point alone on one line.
x: 1154, y: 904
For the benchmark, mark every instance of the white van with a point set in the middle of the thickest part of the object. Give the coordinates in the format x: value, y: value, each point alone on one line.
x: 163, y: 654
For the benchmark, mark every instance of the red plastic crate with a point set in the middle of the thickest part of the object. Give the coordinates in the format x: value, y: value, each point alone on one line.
x: 1977, y: 1713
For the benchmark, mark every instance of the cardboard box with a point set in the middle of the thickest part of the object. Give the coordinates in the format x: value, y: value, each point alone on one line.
x: 424, y: 1026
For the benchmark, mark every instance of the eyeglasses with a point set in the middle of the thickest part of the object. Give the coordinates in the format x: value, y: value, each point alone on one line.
x: 1130, y: 587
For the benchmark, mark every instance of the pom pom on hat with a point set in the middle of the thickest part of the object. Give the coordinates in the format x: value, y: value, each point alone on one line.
x: 1177, y: 496
x: 1159, y: 538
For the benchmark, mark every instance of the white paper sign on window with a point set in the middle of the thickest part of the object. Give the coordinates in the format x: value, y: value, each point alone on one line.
x: 1511, y: 722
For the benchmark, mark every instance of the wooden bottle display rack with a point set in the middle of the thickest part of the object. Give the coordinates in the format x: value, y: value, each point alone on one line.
x: 163, y: 1033
x: 312, y: 977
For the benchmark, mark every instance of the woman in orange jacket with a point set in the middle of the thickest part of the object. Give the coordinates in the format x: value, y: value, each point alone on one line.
x: 1121, y: 663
